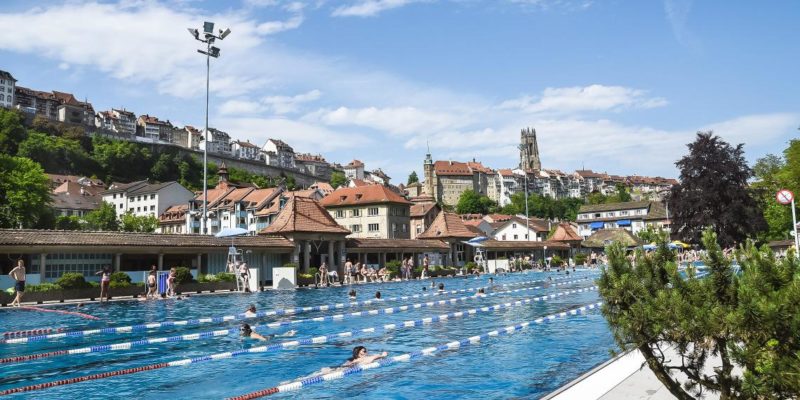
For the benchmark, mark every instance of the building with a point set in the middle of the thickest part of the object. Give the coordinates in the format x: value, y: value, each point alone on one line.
x: 529, y: 151
x: 55, y: 106
x: 509, y: 183
x: 379, y: 177
x: 278, y: 154
x: 449, y: 228
x: 56, y: 180
x: 515, y: 228
x: 354, y: 170
x: 632, y: 216
x: 173, y: 220
x: 313, y: 164
x: 422, y: 216
x: 153, y: 129
x: 193, y: 137
x: 220, y: 142
x: 121, y: 122
x: 73, y: 198
x: 143, y: 199
x: 245, y: 150
x: 7, y: 86
x: 447, y: 180
x: 372, y: 211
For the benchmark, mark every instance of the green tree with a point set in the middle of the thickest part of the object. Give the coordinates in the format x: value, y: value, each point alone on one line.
x: 12, y: 132
x: 769, y: 175
x: 596, y: 198
x: 24, y: 192
x: 68, y: 223
x: 120, y: 160
x: 102, y: 219
x: 412, y: 178
x: 56, y: 154
x: 133, y: 223
x: 714, y: 191
x: 649, y: 234
x: 622, y: 194
x: 338, y: 179
x: 471, y: 202
x: 750, y: 320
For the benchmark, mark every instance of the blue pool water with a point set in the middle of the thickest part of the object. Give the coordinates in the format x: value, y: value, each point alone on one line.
x: 526, y: 364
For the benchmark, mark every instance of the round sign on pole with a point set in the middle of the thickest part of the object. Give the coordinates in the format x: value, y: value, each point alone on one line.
x: 784, y: 196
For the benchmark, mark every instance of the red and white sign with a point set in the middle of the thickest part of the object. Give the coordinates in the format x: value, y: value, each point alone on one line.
x: 784, y: 196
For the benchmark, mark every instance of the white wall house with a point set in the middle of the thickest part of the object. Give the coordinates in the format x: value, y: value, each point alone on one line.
x: 515, y: 229
x: 7, y: 83
x: 354, y: 170
x: 142, y: 198
x: 279, y: 154
x: 245, y: 150
x: 633, y: 216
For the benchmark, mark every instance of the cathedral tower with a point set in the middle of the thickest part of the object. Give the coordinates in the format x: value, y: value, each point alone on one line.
x: 529, y: 150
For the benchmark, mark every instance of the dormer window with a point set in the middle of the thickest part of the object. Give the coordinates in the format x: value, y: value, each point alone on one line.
x: 358, y: 197
x: 342, y: 198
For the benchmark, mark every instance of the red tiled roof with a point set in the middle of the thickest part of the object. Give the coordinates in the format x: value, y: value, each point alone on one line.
x: 505, y: 172
x: 359, y: 182
x: 246, y: 144
x: 587, y: 173
x: 447, y: 225
x: 452, y: 168
x: 565, y: 233
x: 301, y: 214
x: 324, y: 186
x: 355, y: 163
x: 369, y: 194
x: 421, y: 209
x: 396, y: 244
x: 148, y: 119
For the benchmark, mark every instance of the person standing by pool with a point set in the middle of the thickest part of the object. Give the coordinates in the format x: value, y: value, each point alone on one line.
x: 152, y: 285
x: 425, y: 265
x: 105, y: 281
x: 360, y: 357
x: 18, y: 275
x: 171, y: 282
x: 244, y: 276
x: 410, y: 266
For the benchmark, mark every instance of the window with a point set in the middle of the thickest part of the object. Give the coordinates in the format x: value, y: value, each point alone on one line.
x: 355, y: 228
x: 373, y: 211
x: 514, y: 226
x: 623, y: 213
x: 516, y: 237
x: 114, y: 196
x: 394, y: 227
x: 405, y: 228
x: 152, y: 208
x: 2, y: 97
x: 120, y: 206
x: 597, y: 215
x: 373, y: 227
x: 355, y: 212
x: 419, y: 229
x: 339, y: 213
x: 138, y: 209
x: 153, y: 196
x: 131, y: 209
x: 609, y: 214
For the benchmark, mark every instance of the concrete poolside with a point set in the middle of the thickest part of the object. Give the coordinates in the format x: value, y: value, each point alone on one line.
x: 623, y: 377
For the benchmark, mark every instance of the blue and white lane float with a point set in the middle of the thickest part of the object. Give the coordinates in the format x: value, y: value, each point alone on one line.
x: 275, y: 347
x: 429, y: 351
x: 226, y: 332
x: 238, y: 317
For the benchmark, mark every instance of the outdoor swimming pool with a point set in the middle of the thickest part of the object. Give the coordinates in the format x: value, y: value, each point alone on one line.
x: 528, y: 363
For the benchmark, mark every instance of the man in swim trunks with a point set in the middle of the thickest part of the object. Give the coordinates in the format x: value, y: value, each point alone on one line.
x: 18, y: 274
x: 152, y: 285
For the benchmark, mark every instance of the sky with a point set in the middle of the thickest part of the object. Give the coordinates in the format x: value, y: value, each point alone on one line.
x: 615, y: 86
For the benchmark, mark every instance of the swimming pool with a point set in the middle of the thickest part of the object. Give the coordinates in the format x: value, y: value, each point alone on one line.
x: 528, y: 363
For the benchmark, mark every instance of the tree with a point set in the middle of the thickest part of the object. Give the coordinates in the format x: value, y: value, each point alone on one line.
x: 471, y: 202
x: 338, y: 179
x: 132, y: 223
x: 750, y: 320
x: 24, y: 192
x: 68, y: 223
x: 596, y: 198
x: 412, y: 178
x: 121, y: 160
x: 769, y: 174
x: 649, y: 234
x: 56, y: 154
x: 12, y: 132
x: 102, y: 219
x: 714, y: 191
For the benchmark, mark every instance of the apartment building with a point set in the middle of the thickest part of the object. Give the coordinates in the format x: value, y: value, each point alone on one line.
x: 371, y: 211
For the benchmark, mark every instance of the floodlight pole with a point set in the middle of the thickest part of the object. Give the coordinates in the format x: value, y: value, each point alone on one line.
x: 527, y: 218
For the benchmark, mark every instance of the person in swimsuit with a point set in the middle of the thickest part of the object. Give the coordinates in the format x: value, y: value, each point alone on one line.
x: 105, y: 281
x: 360, y: 357
x: 441, y: 287
x: 247, y: 332
x: 171, y: 282
x: 152, y: 285
x: 352, y: 294
x: 251, y: 311
x: 378, y: 295
x: 18, y: 275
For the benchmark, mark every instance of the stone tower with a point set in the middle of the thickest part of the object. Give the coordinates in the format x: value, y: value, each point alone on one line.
x: 529, y: 150
x: 427, y: 167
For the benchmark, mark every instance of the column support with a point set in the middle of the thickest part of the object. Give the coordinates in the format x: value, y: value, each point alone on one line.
x: 42, y: 266
x: 199, y: 263
x: 161, y: 262
x: 306, y: 255
x: 117, y: 262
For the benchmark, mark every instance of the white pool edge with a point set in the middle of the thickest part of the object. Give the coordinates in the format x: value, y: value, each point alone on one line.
x: 601, y: 379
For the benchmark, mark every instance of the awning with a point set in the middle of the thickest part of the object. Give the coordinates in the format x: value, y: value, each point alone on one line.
x: 597, y: 225
x: 624, y: 222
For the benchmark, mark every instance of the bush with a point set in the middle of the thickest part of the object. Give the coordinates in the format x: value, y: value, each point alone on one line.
x: 290, y: 265
x: 183, y: 275
x: 556, y: 261
x: 44, y: 287
x: 220, y: 277
x: 226, y: 277
x: 394, y: 267
x: 120, y: 280
x: 72, y: 280
x: 470, y: 266
x: 580, y: 259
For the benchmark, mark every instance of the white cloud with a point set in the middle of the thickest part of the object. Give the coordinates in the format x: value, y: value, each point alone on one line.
x: 273, y: 27
x: 369, y: 8
x: 755, y: 130
x: 63, y: 66
x: 398, y: 120
x: 276, y: 104
x: 581, y: 99
x: 677, y: 12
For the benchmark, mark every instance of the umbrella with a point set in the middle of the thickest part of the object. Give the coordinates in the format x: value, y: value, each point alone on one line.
x: 476, y: 241
x: 649, y: 247
x: 227, y: 232
x: 681, y: 244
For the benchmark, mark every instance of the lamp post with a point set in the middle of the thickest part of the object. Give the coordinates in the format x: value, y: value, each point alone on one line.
x: 544, y: 256
x: 521, y: 147
x: 208, y: 37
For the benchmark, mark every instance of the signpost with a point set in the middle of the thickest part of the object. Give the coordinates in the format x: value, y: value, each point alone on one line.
x: 787, y: 197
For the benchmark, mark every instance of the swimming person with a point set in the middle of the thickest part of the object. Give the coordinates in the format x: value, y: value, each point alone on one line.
x: 480, y: 293
x: 105, y: 281
x: 251, y: 311
x: 352, y: 294
x: 441, y: 287
x: 247, y: 332
x: 361, y: 357
x: 378, y: 295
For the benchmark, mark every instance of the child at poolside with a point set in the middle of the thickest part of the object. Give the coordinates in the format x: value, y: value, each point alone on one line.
x: 171, y: 282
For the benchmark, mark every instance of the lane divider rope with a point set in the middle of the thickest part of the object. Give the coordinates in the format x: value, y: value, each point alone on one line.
x: 226, y: 332
x: 77, y: 314
x: 261, y: 349
x: 429, y: 351
x: 242, y: 316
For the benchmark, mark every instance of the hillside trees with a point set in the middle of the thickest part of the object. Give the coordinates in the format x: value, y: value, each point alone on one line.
x: 24, y: 192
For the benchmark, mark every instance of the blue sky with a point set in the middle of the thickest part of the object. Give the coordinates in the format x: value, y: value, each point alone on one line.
x: 616, y: 86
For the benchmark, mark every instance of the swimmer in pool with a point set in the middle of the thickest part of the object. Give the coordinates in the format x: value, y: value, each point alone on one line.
x: 251, y: 311
x: 441, y: 287
x: 352, y: 294
x: 247, y: 332
x: 360, y: 357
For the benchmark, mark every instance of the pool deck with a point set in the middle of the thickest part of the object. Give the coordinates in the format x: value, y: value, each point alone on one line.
x: 623, y: 377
